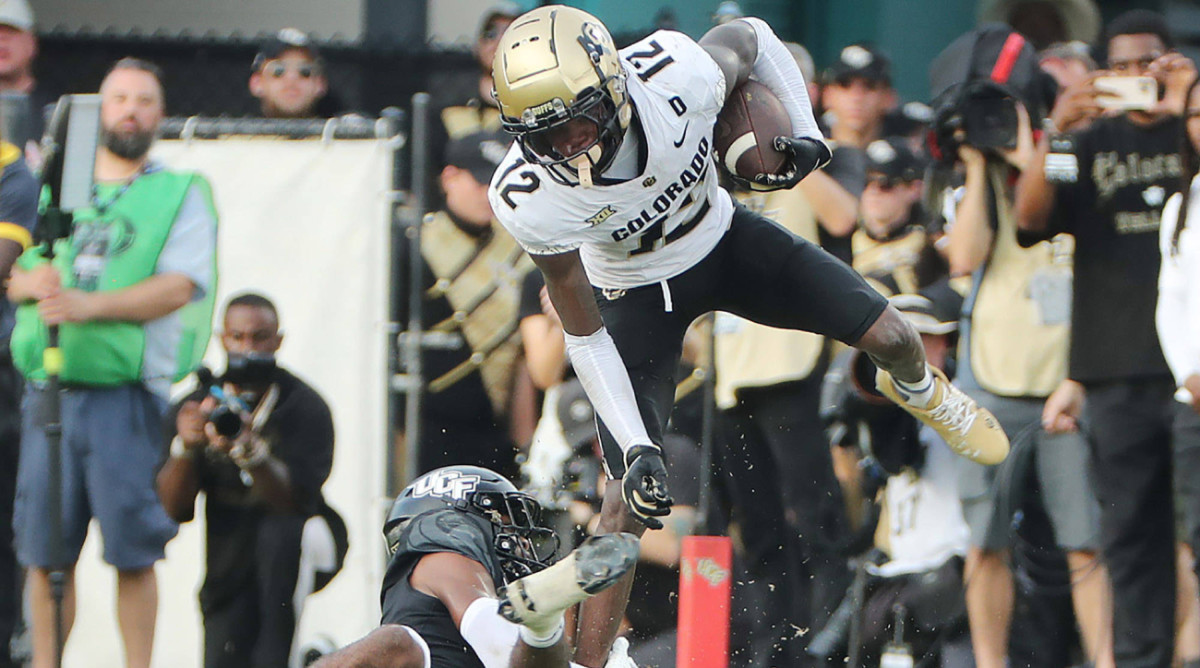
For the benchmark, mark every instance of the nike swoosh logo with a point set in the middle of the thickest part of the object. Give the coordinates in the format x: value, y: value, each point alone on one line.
x: 683, y: 136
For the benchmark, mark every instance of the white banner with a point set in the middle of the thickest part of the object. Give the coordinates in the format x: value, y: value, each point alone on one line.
x: 305, y: 223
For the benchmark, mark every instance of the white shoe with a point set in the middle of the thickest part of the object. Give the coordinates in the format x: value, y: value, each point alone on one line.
x: 538, y: 600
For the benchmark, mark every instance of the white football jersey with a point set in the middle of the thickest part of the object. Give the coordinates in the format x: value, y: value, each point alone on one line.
x: 651, y: 227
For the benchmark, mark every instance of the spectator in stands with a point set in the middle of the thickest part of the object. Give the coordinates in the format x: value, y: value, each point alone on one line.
x: 18, y: 215
x: 473, y: 270
x: 463, y: 101
x: 131, y: 290
x: 728, y: 11
x: 1178, y: 320
x: 288, y: 76
x: 1014, y: 361
x: 912, y: 121
x: 1068, y: 62
x: 271, y: 538
x: 856, y: 95
x: 1114, y: 353
x: 893, y: 246
x: 18, y: 48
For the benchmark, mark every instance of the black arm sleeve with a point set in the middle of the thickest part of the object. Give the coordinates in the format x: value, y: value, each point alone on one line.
x: 531, y: 295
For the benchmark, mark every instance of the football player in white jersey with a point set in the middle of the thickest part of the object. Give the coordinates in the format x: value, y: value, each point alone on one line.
x: 612, y: 188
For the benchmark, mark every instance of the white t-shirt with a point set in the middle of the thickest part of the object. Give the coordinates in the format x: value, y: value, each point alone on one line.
x: 1178, y: 311
x: 925, y: 517
x: 645, y: 229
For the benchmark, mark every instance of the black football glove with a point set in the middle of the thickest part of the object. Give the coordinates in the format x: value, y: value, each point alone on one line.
x: 644, y: 487
x: 805, y: 156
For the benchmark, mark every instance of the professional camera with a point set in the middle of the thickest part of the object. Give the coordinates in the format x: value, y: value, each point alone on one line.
x: 248, y: 369
x: 983, y: 110
x: 977, y: 82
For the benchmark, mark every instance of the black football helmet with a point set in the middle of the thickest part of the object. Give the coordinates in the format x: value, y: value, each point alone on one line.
x: 521, y: 544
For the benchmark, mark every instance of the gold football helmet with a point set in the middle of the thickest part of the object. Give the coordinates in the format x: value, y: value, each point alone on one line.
x: 557, y: 73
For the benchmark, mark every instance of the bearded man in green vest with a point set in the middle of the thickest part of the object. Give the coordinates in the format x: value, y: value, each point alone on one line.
x: 131, y: 290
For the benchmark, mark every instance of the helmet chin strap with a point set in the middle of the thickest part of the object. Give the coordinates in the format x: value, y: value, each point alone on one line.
x: 583, y: 164
x: 583, y: 167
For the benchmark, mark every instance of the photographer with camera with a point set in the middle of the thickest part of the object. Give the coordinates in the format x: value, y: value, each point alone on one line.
x: 1110, y: 162
x: 1014, y: 360
x: 259, y: 443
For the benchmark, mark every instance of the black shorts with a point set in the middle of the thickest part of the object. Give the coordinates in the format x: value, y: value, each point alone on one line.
x: 759, y: 271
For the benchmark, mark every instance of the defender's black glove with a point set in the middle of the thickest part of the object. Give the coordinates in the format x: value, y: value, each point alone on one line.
x: 805, y: 156
x: 644, y: 487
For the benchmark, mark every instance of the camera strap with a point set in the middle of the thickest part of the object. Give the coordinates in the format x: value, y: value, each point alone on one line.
x: 262, y: 412
x: 1007, y: 59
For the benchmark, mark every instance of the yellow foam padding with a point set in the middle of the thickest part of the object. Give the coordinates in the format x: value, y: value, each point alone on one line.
x: 52, y: 361
x: 14, y: 232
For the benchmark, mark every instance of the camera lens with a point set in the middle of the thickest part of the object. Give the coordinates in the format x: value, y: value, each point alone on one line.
x: 226, y: 421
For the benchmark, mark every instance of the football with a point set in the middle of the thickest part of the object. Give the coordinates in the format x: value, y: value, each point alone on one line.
x: 744, y: 136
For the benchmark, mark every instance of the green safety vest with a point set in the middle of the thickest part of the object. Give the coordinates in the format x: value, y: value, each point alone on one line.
x: 116, y: 246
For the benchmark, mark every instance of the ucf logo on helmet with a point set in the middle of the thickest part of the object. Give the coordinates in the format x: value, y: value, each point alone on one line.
x: 446, y: 483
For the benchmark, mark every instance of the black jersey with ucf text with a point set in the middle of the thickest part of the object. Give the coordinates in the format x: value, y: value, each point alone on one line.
x: 447, y: 530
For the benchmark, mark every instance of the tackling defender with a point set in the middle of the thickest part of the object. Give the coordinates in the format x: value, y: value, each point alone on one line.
x: 457, y: 536
x: 611, y: 188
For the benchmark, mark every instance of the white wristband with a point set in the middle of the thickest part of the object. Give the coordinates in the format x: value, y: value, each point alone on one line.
x: 602, y: 373
x: 776, y: 69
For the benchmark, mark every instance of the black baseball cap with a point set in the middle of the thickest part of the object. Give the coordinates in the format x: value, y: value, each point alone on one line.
x: 282, y: 41
x: 860, y: 61
x: 479, y: 152
x: 576, y: 414
x: 893, y: 158
x: 500, y: 10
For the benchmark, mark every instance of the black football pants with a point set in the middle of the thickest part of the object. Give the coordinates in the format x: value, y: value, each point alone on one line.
x: 759, y: 271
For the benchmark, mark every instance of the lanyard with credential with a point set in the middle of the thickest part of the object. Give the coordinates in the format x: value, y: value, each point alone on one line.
x: 102, y: 206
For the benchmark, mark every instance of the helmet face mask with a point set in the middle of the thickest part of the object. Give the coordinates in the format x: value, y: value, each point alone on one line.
x: 521, y: 544
x: 555, y: 66
x: 599, y: 114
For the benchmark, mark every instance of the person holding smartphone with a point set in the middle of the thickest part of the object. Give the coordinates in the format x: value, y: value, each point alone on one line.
x: 1126, y: 164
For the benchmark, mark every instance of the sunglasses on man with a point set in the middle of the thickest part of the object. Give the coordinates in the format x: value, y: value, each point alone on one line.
x: 277, y: 68
x: 884, y: 183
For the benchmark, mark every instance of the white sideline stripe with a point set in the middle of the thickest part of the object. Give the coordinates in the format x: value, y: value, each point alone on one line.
x: 737, y: 149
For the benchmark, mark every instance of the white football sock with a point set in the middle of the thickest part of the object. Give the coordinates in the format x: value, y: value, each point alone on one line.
x: 918, y: 394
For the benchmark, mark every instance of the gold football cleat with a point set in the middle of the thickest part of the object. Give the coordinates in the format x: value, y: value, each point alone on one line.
x: 971, y: 431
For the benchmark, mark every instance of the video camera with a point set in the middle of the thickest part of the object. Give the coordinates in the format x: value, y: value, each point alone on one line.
x: 242, y: 370
x: 976, y: 84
